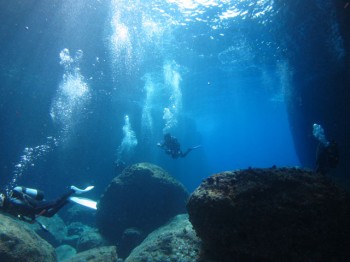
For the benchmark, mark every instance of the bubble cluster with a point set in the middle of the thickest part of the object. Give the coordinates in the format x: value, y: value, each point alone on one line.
x: 120, y: 40
x: 147, y: 119
x: 28, y: 158
x: 72, y: 95
x: 129, y: 141
x: 172, y: 79
x: 318, y: 133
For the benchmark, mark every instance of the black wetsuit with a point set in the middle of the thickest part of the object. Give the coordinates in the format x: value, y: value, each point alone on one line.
x: 171, y: 146
x: 24, y: 206
x: 327, y: 157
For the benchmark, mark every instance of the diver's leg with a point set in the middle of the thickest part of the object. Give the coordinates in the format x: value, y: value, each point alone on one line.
x: 189, y: 150
x: 185, y: 154
x: 50, y: 208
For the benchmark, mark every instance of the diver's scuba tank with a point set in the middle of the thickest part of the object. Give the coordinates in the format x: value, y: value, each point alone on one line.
x: 34, y: 193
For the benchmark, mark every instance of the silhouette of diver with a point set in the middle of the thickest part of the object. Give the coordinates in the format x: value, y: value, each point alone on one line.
x: 327, y: 156
x: 171, y: 147
x: 27, y: 203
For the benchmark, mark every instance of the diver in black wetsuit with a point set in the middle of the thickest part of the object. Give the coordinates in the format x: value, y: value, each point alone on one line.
x: 327, y: 157
x: 28, y: 204
x: 171, y: 147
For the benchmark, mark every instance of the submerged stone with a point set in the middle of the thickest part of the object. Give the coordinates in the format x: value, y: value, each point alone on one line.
x: 19, y: 243
x: 143, y: 196
x: 99, y: 254
x: 176, y: 241
x: 274, y: 214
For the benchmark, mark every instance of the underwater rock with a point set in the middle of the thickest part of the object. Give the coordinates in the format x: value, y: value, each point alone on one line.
x: 275, y: 214
x: 19, y: 243
x: 90, y: 239
x: 176, y: 241
x: 77, y: 228
x: 144, y: 196
x: 74, y: 232
x: 78, y: 213
x: 65, y: 252
x: 56, y: 229
x: 131, y: 238
x: 99, y: 254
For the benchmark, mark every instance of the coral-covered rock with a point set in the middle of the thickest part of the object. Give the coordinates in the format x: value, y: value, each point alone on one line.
x: 19, y: 243
x: 144, y: 196
x: 277, y: 214
x: 176, y: 241
x: 99, y: 254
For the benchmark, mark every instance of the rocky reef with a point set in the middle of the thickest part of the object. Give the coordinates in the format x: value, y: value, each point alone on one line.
x: 274, y: 214
x: 20, y: 243
x: 142, y: 198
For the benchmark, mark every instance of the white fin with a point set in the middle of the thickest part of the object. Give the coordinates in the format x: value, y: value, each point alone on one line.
x: 80, y: 191
x: 88, y: 188
x: 84, y: 202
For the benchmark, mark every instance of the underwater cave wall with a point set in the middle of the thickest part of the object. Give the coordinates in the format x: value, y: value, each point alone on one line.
x: 317, y: 42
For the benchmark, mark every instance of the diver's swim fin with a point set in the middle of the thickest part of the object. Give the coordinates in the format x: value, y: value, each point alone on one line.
x: 84, y: 202
x: 80, y: 191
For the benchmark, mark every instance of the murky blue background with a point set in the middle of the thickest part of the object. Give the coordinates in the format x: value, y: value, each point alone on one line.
x: 85, y: 83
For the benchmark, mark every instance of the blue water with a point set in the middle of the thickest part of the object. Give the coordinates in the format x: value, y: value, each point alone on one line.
x: 75, y: 73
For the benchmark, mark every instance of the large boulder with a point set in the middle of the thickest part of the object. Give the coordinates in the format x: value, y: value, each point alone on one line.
x: 143, y: 196
x: 276, y: 214
x: 19, y: 243
x: 176, y: 241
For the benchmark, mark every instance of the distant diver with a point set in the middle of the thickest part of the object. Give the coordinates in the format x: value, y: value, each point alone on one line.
x: 27, y: 203
x: 171, y: 146
x: 327, y: 156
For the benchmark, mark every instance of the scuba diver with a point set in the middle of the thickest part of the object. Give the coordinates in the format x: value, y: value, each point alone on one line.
x: 171, y: 147
x: 28, y: 204
x: 327, y: 156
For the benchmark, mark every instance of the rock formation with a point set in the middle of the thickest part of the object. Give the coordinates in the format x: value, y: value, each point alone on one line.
x: 99, y: 254
x: 276, y: 214
x: 176, y: 241
x: 19, y: 243
x: 143, y: 197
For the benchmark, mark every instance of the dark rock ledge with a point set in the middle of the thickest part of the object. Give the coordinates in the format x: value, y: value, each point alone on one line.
x: 273, y: 214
